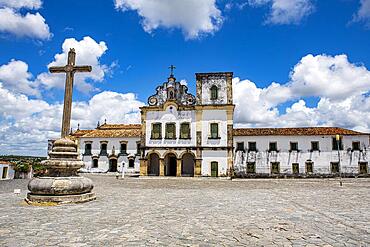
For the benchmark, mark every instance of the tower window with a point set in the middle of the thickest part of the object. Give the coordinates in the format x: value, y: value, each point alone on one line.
x: 214, y: 92
x: 214, y: 131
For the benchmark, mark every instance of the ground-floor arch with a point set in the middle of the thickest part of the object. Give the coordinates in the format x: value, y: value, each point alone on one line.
x: 153, y: 164
x: 170, y: 168
x: 187, y: 165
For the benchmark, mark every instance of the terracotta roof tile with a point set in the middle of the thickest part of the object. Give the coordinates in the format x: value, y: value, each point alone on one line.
x: 307, y: 131
x: 114, y: 131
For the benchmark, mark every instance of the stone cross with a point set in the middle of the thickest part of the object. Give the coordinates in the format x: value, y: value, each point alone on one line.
x: 70, y: 69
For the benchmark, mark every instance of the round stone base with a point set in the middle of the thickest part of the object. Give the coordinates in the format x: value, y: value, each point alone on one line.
x: 60, y: 186
x: 80, y: 198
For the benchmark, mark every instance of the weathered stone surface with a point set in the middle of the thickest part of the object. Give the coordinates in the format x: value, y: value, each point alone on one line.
x: 60, y: 185
x: 194, y: 212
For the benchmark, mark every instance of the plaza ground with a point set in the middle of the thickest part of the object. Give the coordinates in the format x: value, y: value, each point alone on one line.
x: 194, y: 212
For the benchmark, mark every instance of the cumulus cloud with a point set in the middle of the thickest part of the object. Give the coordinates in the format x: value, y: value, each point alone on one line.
x: 15, y: 76
x: 88, y: 52
x: 29, y: 25
x: 286, y: 11
x: 18, y: 4
x: 27, y: 124
x: 193, y: 17
x: 363, y: 13
x: 342, y: 89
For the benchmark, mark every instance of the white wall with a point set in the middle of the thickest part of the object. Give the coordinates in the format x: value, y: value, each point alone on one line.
x: 170, y: 116
x: 10, y: 173
x: 209, y: 156
x: 322, y: 159
x: 214, y: 116
x: 221, y: 84
x: 103, y: 162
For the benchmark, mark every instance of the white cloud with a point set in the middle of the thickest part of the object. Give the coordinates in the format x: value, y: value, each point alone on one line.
x: 363, y: 13
x: 15, y: 76
x: 286, y: 11
x: 30, y: 25
x: 193, y: 17
x: 331, y: 77
x: 18, y: 4
x: 88, y: 52
x: 26, y: 124
x: 342, y: 89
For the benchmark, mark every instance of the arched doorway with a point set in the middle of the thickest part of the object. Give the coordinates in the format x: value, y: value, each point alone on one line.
x: 113, y: 165
x: 187, y: 165
x: 170, y: 165
x: 153, y: 165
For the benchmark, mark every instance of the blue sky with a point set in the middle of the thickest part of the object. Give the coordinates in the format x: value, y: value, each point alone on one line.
x: 261, y: 41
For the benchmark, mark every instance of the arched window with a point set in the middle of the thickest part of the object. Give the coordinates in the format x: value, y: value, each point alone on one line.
x: 214, y: 92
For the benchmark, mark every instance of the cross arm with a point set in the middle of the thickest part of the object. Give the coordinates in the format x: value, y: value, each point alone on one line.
x: 82, y: 68
x: 61, y: 69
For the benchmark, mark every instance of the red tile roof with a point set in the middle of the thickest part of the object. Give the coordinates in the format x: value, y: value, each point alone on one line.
x: 113, y: 131
x: 305, y: 131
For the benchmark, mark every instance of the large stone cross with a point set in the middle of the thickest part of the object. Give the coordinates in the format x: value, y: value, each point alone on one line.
x: 70, y: 69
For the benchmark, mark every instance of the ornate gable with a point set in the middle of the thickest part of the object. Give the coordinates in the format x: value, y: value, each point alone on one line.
x: 172, y: 91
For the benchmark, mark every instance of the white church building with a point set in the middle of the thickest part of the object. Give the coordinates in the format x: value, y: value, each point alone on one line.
x: 185, y: 135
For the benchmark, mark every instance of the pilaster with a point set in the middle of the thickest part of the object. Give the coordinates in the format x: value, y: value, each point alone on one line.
x: 161, y: 167
x: 178, y: 168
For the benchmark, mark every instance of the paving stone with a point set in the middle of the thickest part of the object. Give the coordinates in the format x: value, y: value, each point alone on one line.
x: 194, y: 212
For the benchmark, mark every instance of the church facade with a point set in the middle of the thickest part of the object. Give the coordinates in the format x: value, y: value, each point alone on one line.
x: 193, y: 135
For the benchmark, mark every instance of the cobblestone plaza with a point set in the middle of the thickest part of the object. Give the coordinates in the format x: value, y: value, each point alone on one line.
x: 194, y: 212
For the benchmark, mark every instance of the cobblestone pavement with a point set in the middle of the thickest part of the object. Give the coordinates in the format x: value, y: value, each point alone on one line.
x: 194, y: 212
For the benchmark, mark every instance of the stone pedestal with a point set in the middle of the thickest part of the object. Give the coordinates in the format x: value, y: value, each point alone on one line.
x: 61, y: 183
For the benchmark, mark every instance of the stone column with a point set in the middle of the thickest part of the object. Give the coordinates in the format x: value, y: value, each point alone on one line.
x: 178, y: 169
x: 198, y: 168
x: 161, y: 167
x: 143, y: 167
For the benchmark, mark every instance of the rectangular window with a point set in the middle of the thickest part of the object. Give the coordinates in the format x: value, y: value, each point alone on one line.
x: 293, y: 146
x: 275, y: 167
x: 214, y: 131
x: 123, y: 148
x: 295, y: 168
x: 185, y: 131
x: 252, y: 146
x: 335, y: 143
x: 315, y: 146
x: 356, y: 146
x: 88, y: 149
x: 170, y: 131
x: 251, y: 167
x: 309, y: 167
x: 103, y: 149
x: 273, y: 146
x: 156, y: 131
x: 334, y: 167
x: 240, y: 146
